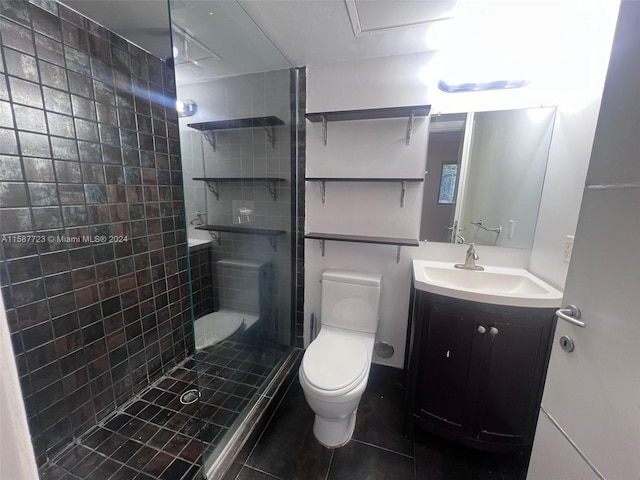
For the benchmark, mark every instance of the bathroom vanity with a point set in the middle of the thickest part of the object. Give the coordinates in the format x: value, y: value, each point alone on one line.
x: 476, y: 370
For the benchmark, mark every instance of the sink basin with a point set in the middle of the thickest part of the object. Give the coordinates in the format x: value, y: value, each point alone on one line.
x: 497, y: 285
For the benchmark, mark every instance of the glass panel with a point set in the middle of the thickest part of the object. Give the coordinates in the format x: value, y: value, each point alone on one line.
x: 236, y: 148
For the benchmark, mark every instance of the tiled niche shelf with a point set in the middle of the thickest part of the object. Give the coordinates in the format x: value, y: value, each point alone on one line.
x: 214, y: 183
x: 403, y: 183
x: 216, y: 230
x: 409, y: 112
x: 339, y: 237
x: 209, y: 129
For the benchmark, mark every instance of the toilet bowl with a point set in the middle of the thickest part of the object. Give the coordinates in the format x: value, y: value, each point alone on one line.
x: 335, y: 367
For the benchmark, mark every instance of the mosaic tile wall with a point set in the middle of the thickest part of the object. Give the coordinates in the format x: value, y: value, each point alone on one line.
x: 88, y: 147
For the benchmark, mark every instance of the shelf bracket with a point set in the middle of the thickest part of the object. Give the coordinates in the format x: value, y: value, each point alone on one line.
x: 321, y: 247
x: 216, y: 236
x: 214, y: 187
x: 403, y: 192
x: 210, y: 135
x: 399, y: 249
x: 272, y: 242
x: 271, y: 134
x: 410, y: 127
x: 273, y: 191
x: 324, y: 130
x: 323, y: 190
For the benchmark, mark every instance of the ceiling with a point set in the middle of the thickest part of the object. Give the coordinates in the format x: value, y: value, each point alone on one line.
x: 222, y: 37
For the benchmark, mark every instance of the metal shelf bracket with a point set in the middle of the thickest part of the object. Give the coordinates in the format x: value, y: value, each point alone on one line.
x: 410, y: 127
x: 403, y: 192
x: 322, y: 247
x: 214, y: 187
x: 216, y: 236
x: 273, y: 191
x: 210, y: 135
x: 323, y: 190
x: 399, y: 249
x: 271, y: 134
x: 324, y: 130
x: 272, y: 242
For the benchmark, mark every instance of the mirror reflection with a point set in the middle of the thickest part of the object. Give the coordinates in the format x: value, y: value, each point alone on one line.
x: 485, y: 172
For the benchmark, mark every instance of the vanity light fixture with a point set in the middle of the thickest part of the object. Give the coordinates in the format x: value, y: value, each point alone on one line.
x: 480, y: 86
x: 186, y: 108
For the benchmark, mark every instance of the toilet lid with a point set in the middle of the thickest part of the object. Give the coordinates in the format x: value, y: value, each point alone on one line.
x: 333, y: 362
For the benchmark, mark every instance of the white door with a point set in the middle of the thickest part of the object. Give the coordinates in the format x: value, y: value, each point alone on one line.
x: 589, y: 424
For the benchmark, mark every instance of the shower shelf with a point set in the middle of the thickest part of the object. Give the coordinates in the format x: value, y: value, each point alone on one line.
x: 403, y: 183
x: 339, y: 237
x: 209, y: 129
x: 214, y: 183
x: 216, y: 230
x: 410, y: 112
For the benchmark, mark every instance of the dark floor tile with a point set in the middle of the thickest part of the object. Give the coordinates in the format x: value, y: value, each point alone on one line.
x: 142, y: 457
x: 288, y: 448
x: 158, y: 464
x: 365, y: 462
x: 126, y: 451
x: 106, y: 469
x: 125, y: 473
x: 88, y: 465
x: 439, y: 459
x: 176, y: 470
x: 192, y: 451
x: 97, y: 437
x: 248, y: 473
x: 380, y: 417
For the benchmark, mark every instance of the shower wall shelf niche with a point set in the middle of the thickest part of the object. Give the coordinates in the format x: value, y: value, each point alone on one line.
x: 339, y: 237
x: 216, y: 230
x: 209, y: 129
x: 410, y: 112
x: 214, y: 183
x: 403, y: 183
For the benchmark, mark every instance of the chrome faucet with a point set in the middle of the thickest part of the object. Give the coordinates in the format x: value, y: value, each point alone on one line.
x: 470, y: 260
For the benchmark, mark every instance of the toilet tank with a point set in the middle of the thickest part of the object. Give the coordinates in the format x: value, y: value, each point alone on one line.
x: 350, y: 300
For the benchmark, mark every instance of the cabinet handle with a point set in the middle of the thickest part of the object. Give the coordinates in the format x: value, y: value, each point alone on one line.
x: 493, y: 331
x: 481, y: 329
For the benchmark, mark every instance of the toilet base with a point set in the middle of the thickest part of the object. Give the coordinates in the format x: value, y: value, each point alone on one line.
x: 334, y: 433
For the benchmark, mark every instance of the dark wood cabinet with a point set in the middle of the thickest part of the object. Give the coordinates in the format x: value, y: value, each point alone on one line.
x: 476, y: 371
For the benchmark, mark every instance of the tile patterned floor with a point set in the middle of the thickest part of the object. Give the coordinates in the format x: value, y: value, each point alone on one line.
x: 287, y: 449
x: 155, y: 436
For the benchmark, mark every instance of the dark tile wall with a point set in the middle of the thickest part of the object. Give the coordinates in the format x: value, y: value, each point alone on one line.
x: 299, y: 162
x: 202, y: 281
x: 88, y: 147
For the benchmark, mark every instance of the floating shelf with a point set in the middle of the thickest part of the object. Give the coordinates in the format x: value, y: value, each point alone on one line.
x: 403, y: 183
x: 410, y: 112
x: 209, y: 129
x: 337, y: 237
x: 214, y: 183
x: 269, y: 234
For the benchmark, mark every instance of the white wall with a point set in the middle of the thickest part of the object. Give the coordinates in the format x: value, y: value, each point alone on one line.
x: 16, y: 453
x: 574, y: 85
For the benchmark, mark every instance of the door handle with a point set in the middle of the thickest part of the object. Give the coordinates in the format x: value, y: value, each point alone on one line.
x: 571, y: 314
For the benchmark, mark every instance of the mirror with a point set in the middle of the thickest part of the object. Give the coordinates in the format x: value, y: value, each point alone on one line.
x: 485, y: 172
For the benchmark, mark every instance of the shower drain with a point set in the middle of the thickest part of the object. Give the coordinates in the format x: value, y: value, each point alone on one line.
x: 190, y: 396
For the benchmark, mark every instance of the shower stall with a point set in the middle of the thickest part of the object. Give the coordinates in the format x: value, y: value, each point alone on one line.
x: 149, y: 247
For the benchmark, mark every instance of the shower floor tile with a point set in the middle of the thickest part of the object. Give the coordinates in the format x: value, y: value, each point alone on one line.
x: 154, y: 436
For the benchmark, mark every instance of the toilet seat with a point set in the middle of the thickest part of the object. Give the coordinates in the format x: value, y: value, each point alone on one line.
x: 332, y: 363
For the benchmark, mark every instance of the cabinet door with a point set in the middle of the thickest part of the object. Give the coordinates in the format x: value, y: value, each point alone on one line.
x: 514, y: 364
x: 448, y: 355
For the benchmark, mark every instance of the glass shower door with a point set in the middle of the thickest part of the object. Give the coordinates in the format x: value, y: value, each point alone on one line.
x: 236, y: 149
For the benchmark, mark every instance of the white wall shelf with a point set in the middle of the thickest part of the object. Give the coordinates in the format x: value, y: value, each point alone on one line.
x: 403, y: 183
x: 214, y: 183
x: 269, y: 234
x: 409, y: 112
x: 339, y: 237
x: 209, y: 129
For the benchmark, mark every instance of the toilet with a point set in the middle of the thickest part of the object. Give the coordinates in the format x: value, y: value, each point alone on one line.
x: 335, y: 366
